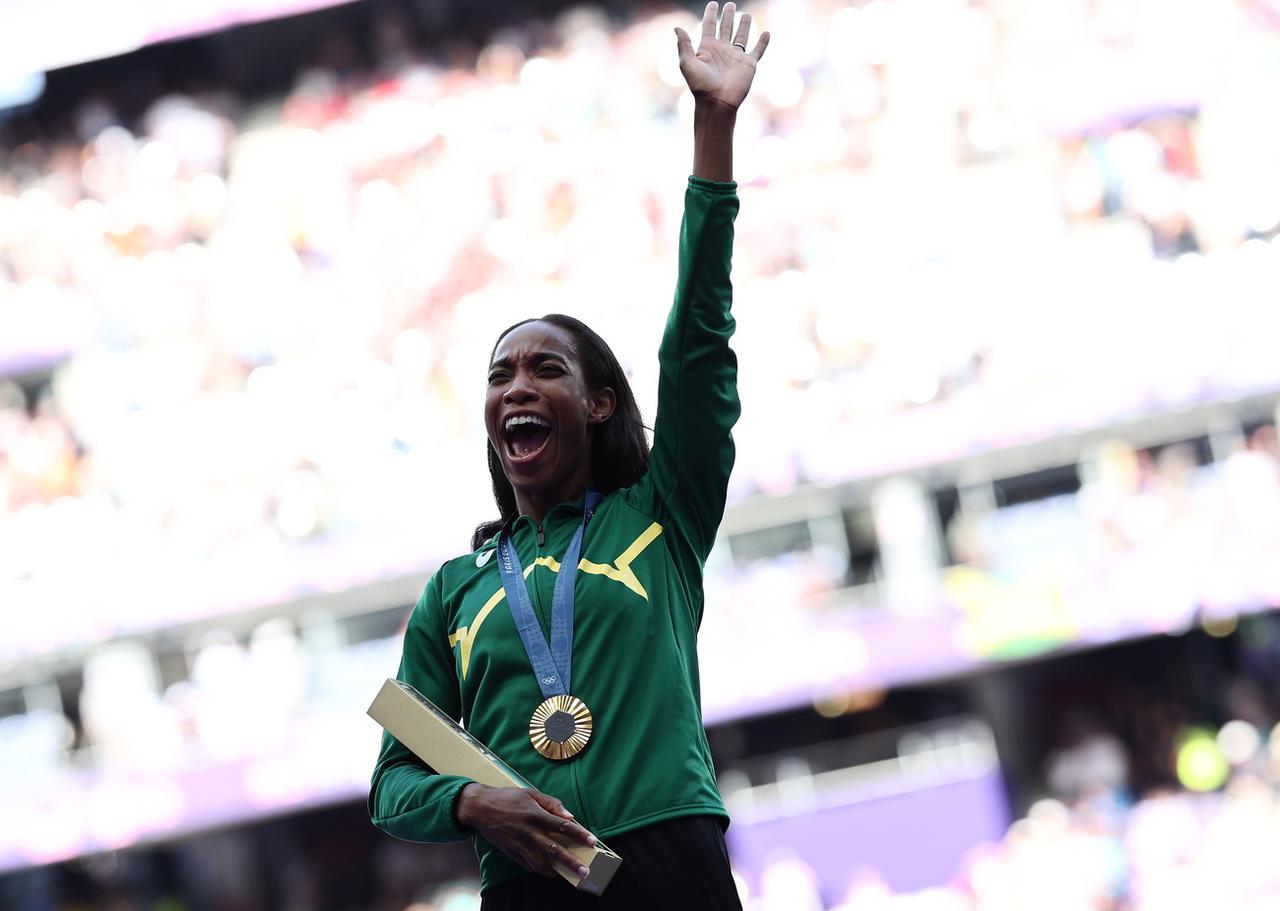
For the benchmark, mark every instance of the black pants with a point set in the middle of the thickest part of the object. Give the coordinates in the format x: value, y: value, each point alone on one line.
x: 673, y: 865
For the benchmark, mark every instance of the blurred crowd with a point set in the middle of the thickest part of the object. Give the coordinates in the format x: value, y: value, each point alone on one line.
x: 1154, y: 541
x: 1172, y: 851
x: 152, y: 744
x: 265, y: 323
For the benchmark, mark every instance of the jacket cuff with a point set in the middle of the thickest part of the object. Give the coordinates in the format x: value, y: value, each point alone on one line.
x: 465, y: 831
x: 713, y: 186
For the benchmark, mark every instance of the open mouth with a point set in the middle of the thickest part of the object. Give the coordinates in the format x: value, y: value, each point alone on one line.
x: 525, y: 436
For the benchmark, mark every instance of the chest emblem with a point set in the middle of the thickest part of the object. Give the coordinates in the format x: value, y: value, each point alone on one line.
x: 484, y: 557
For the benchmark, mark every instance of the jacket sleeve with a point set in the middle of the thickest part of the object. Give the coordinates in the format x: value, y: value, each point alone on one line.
x: 407, y: 799
x: 698, y: 380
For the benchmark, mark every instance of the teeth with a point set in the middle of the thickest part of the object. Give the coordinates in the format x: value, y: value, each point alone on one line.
x: 526, y: 419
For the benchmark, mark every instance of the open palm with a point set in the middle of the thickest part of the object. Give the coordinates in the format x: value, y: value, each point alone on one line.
x: 719, y: 71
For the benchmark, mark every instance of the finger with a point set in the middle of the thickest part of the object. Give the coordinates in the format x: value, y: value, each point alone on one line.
x: 562, y: 820
x: 744, y: 29
x: 567, y: 829
x: 573, y: 832
x: 684, y: 44
x: 558, y: 854
x: 709, y: 21
x: 726, y: 20
x: 761, y: 43
x: 551, y: 804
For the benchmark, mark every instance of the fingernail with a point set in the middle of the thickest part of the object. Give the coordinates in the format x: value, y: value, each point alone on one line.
x: 583, y: 871
x: 591, y: 839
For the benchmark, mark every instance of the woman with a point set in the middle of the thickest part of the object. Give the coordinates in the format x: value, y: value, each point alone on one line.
x: 567, y: 638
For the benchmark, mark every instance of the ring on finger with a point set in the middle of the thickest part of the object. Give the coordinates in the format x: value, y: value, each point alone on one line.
x: 551, y: 847
x: 742, y: 46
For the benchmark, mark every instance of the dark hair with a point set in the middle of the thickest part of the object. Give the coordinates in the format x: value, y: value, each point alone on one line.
x: 619, y: 448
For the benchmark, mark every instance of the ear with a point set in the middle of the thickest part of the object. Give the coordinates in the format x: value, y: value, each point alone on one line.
x: 600, y: 406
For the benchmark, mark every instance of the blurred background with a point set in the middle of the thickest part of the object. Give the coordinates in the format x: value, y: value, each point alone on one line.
x: 1005, y: 522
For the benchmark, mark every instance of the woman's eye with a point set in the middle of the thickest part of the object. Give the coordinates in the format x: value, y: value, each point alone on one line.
x: 496, y: 378
x: 551, y: 370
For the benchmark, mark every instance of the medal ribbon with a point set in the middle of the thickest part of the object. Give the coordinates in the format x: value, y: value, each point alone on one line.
x: 552, y: 665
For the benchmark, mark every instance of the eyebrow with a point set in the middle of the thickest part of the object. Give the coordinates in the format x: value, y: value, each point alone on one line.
x: 537, y: 357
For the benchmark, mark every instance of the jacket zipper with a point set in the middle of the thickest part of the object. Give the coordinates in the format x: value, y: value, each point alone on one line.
x: 535, y: 592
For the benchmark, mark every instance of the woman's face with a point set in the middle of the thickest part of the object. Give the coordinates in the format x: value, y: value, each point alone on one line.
x: 538, y: 411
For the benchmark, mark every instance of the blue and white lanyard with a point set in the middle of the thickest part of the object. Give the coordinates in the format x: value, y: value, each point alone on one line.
x: 552, y: 665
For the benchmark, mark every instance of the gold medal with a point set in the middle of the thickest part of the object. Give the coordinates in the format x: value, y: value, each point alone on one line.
x: 560, y: 727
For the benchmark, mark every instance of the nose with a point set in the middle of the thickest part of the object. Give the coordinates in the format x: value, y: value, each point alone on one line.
x: 519, y: 390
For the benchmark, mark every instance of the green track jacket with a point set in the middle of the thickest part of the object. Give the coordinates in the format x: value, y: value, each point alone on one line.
x: 638, y: 605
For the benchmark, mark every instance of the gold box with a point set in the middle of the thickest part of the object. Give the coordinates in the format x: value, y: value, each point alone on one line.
x: 445, y: 746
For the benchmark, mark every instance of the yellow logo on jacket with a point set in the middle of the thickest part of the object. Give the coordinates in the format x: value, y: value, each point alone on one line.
x: 619, y: 571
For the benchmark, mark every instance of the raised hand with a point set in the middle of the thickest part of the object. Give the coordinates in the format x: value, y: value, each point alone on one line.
x: 722, y: 68
x: 531, y: 827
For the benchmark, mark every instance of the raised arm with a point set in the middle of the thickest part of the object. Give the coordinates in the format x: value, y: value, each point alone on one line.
x: 697, y: 387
